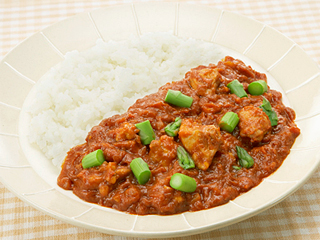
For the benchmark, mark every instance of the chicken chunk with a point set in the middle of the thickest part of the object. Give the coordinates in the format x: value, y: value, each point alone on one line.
x: 201, y: 141
x: 163, y: 150
x: 127, y: 131
x: 108, y: 172
x: 205, y: 81
x: 253, y: 123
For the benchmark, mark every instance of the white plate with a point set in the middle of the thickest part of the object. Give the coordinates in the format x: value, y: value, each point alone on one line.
x: 288, y: 68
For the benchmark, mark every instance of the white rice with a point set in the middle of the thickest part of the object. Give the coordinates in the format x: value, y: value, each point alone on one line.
x: 105, y: 80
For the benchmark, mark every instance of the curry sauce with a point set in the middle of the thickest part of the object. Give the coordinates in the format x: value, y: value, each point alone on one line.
x: 213, y: 150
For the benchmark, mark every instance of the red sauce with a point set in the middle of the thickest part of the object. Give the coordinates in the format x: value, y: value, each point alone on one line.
x: 214, y: 151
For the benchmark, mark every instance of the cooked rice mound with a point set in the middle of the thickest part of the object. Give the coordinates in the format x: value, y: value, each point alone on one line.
x: 105, y: 80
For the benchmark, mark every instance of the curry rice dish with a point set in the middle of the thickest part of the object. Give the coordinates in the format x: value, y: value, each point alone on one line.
x: 195, y: 144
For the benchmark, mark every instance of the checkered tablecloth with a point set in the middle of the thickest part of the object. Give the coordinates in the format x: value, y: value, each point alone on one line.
x: 297, y: 217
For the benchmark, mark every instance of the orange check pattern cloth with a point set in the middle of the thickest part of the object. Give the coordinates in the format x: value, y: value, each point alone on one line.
x: 297, y: 217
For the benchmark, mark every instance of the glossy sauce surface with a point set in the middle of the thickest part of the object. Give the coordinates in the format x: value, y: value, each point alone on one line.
x: 214, y: 150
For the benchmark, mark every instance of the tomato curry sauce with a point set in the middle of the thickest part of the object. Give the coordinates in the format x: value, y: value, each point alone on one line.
x: 217, y: 173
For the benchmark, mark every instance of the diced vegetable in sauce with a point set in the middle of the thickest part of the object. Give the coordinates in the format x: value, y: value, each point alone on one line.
x: 258, y: 87
x: 178, y: 99
x: 183, y: 183
x: 237, y: 88
x: 93, y: 159
x: 266, y: 107
x: 140, y: 170
x: 185, y: 159
x: 172, y: 129
x: 245, y: 159
x: 229, y: 121
x: 146, y: 132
